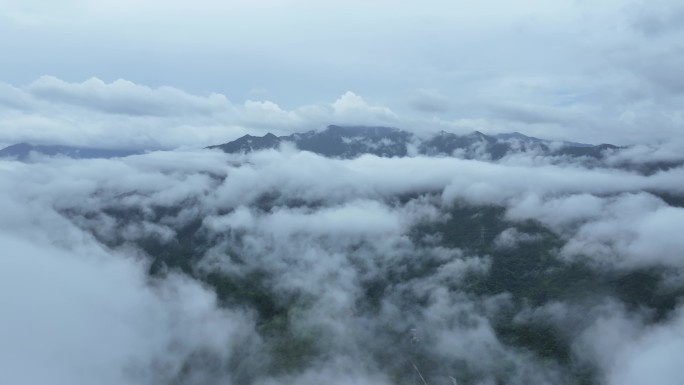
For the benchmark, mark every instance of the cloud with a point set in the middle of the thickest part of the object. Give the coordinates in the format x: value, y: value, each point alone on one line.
x: 657, y: 18
x: 430, y: 101
x: 644, y: 154
x: 637, y: 236
x: 511, y: 237
x: 85, y: 315
x: 126, y: 98
x: 632, y: 351
x: 125, y: 114
x: 351, y: 103
x: 631, y: 230
x: 13, y: 98
x: 353, y: 219
x: 365, y: 273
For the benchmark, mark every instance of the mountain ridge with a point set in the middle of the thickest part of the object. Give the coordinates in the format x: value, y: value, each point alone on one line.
x: 23, y: 151
x: 354, y: 141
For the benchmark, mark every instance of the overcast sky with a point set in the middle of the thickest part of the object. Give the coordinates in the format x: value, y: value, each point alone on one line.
x: 176, y: 72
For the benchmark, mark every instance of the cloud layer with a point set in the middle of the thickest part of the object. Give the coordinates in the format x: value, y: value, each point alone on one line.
x: 367, y: 274
x: 122, y: 114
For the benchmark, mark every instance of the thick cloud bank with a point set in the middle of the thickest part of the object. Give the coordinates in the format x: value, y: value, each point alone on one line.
x: 123, y: 114
x: 284, y: 267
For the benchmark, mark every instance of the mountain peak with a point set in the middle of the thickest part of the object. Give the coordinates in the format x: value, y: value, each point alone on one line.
x: 514, y: 135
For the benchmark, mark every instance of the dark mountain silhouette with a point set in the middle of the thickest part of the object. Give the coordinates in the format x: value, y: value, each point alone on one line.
x: 23, y: 151
x: 353, y: 141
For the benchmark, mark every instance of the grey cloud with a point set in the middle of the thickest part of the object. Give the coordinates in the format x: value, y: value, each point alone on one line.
x: 656, y: 18
x: 660, y: 69
x: 430, y: 101
x: 534, y: 114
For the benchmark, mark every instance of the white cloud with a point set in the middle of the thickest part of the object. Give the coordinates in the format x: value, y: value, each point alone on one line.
x: 126, y: 98
x: 87, y: 316
x: 124, y: 114
x: 631, y: 352
x: 511, y: 237
x: 354, y: 105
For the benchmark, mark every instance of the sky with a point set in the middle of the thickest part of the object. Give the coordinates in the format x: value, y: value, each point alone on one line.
x: 167, y: 74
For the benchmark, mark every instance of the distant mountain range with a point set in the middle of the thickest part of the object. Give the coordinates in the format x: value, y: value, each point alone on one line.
x: 353, y: 141
x: 23, y: 151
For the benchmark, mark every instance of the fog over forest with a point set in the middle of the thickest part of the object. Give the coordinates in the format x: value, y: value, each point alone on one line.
x: 283, y: 266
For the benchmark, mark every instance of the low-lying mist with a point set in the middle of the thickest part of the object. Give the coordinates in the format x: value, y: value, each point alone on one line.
x: 285, y: 267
